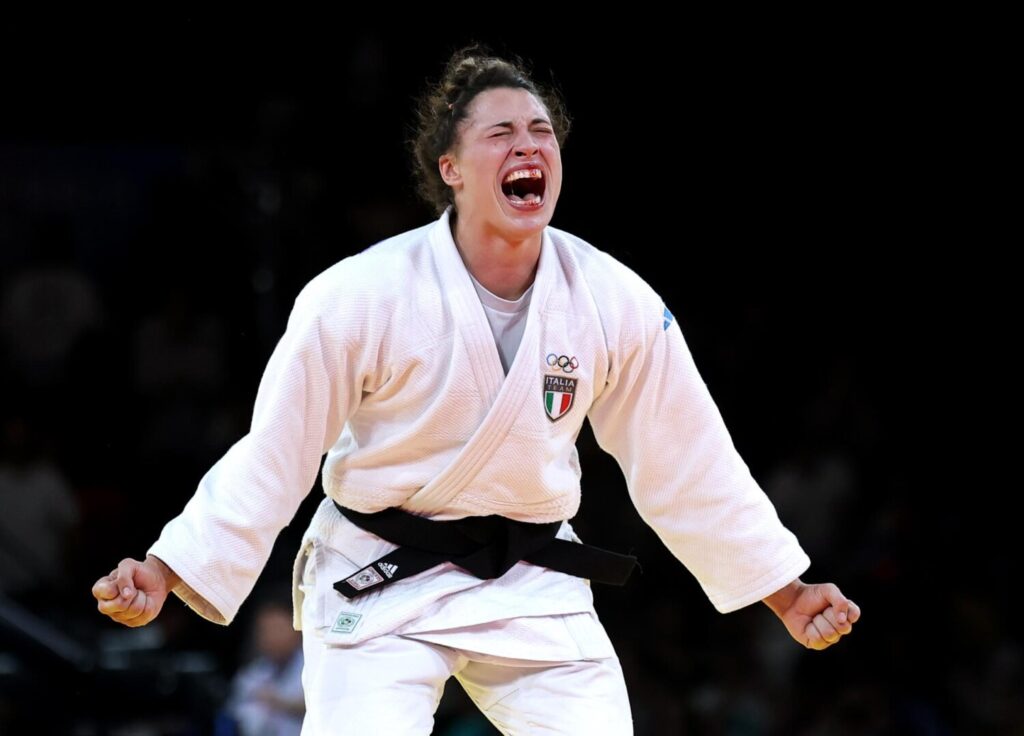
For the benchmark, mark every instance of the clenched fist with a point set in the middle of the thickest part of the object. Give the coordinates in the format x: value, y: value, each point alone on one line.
x: 817, y: 615
x: 134, y: 593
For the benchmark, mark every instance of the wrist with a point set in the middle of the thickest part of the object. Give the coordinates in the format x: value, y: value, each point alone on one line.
x: 783, y: 598
x: 171, y: 578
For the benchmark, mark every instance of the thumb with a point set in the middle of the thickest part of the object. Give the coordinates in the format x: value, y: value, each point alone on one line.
x: 125, y: 580
x: 839, y: 602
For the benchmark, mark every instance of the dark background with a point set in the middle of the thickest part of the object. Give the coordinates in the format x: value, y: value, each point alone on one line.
x: 797, y: 198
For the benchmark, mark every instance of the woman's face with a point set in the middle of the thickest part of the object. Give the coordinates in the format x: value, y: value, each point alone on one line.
x: 505, y: 168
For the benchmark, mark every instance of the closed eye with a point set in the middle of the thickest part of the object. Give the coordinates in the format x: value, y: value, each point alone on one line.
x: 539, y: 130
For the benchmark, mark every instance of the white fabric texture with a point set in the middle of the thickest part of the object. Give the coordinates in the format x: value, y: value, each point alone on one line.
x: 391, y: 684
x: 403, y: 389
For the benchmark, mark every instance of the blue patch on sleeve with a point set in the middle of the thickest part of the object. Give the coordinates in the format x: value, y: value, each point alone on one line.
x: 668, y: 319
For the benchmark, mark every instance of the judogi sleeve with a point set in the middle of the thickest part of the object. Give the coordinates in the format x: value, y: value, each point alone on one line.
x: 221, y: 541
x: 684, y: 475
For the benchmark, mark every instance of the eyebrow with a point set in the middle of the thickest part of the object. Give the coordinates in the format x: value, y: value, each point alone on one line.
x: 509, y: 124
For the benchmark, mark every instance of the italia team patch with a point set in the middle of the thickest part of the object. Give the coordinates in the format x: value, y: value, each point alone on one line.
x: 346, y: 622
x: 559, y: 391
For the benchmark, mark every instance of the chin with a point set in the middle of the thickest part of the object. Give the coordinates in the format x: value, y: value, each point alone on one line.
x: 529, y: 221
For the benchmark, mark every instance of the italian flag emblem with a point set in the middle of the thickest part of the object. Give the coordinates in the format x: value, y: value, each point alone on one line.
x: 558, y: 394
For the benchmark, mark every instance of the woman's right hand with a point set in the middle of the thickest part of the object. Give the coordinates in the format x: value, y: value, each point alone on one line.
x: 134, y: 592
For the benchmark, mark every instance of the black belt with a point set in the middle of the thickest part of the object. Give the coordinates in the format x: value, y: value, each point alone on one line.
x: 486, y: 546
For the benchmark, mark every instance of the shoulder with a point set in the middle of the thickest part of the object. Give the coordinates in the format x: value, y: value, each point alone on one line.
x: 620, y: 294
x: 376, y: 276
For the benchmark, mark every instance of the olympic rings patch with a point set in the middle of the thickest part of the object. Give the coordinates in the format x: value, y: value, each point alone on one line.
x: 563, y: 362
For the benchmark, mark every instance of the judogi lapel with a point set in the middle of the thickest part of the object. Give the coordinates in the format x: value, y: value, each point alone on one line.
x: 505, y: 394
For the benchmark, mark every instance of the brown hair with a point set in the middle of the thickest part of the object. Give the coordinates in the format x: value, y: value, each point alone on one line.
x: 439, y: 110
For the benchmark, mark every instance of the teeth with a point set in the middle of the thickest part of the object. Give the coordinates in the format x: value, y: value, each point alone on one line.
x: 531, y: 198
x: 524, y: 174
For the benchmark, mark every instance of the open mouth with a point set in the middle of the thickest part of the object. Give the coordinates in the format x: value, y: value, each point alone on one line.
x: 524, y: 188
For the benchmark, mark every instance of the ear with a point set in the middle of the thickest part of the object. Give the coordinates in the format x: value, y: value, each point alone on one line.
x: 449, y: 169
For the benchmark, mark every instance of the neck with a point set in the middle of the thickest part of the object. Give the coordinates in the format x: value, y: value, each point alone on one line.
x: 505, y: 267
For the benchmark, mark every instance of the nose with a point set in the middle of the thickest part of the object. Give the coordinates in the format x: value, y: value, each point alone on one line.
x: 526, y: 144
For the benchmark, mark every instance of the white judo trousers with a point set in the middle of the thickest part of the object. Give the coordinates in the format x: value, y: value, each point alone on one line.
x: 392, y: 684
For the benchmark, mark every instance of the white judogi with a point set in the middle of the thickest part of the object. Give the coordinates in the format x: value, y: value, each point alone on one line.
x: 389, y: 365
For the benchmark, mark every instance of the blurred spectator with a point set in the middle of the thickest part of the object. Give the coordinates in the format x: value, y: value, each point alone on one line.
x: 266, y: 695
x: 179, y: 347
x: 46, y: 310
x: 181, y: 367
x: 39, y: 511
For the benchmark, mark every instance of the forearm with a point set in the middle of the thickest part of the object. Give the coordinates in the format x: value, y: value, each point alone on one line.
x: 222, y: 539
